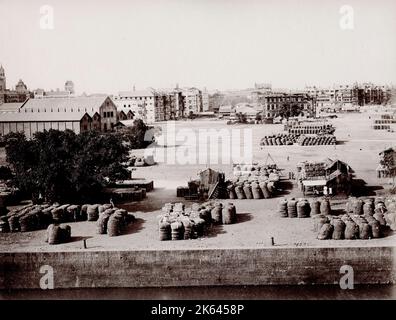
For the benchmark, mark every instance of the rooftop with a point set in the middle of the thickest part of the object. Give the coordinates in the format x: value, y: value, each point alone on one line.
x: 70, y: 104
x: 11, y: 107
x: 137, y: 93
x: 40, y: 116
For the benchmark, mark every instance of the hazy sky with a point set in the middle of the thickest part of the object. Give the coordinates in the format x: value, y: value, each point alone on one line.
x: 108, y: 46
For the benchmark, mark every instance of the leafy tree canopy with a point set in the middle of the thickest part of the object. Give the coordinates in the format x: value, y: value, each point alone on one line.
x: 137, y: 136
x: 64, y: 166
x: 289, y: 110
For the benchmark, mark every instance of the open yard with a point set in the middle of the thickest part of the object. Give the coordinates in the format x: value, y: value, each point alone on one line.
x: 258, y: 220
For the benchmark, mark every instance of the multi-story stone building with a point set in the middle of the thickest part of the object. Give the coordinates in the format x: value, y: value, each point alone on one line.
x: 288, y: 104
x: 344, y: 97
x: 21, y: 87
x: 205, y: 100
x: 147, y: 105
x: 173, y: 103
x: 152, y: 105
x: 368, y: 93
x: 192, y: 100
x: 325, y: 98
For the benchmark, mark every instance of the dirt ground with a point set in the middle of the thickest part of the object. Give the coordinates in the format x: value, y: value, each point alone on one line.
x: 258, y: 220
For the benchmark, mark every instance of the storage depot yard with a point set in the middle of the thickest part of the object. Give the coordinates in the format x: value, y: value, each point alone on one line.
x: 258, y: 220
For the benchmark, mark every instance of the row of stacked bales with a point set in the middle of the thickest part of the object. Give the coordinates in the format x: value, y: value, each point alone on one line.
x: 316, y: 140
x: 302, y: 208
x: 256, y: 189
x: 311, y: 128
x: 365, y: 218
x: 178, y: 223
x: 390, y: 217
x: 280, y: 139
x: 387, y: 163
x: 38, y: 217
x: 382, y: 209
x: 119, y: 195
x: 112, y: 221
x: 254, y: 169
x: 310, y: 171
x: 28, y: 218
x: 253, y: 182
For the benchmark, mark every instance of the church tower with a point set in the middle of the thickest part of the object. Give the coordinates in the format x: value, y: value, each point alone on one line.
x: 2, y: 79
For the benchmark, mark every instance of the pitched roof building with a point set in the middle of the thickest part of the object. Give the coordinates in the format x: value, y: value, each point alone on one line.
x: 77, y: 114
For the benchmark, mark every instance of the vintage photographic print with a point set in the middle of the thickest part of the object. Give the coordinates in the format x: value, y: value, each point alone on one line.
x: 197, y: 150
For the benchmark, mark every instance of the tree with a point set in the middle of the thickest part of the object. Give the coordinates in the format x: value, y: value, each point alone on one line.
x: 137, y: 136
x: 66, y: 167
x: 241, y: 117
x: 191, y: 115
x: 5, y: 173
x: 287, y: 110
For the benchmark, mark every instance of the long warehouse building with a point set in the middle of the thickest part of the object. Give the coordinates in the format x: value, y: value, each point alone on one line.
x: 78, y: 114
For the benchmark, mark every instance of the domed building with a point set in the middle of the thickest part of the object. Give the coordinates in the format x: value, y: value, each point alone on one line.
x: 69, y: 86
x: 21, y: 87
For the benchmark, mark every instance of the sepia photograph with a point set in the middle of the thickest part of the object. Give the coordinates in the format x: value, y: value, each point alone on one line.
x: 212, y: 151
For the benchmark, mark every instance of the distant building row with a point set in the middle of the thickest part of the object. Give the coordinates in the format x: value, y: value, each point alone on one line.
x: 21, y: 92
x: 349, y: 96
x: 161, y: 105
